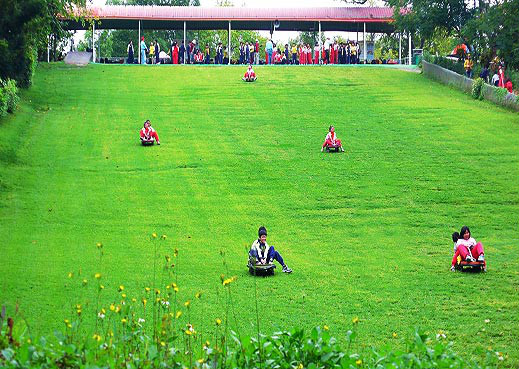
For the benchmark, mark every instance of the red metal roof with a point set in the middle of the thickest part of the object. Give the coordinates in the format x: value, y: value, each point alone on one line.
x: 196, y: 13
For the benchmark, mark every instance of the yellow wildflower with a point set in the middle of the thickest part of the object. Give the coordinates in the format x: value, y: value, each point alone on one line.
x: 85, y: 282
x: 218, y: 321
x: 103, y: 311
x: 188, y: 332
x: 121, y: 288
x: 101, y: 287
x: 123, y: 295
x: 96, y: 337
x: 124, y: 320
x: 97, y: 276
x: 154, y: 235
x: 134, y: 299
x: 162, y: 343
x: 99, y: 245
x: 187, y: 303
x: 175, y: 252
x: 157, y: 291
x: 198, y: 295
x: 147, y: 289
x: 70, y: 274
x: 300, y: 366
x: 163, y: 236
x: 395, y: 335
x: 355, y: 320
x: 200, y: 361
x: 67, y: 323
x: 144, y: 301
x: 359, y: 362
x: 179, y: 313
x: 168, y: 259
x: 117, y: 308
x: 112, y: 307
x: 29, y: 341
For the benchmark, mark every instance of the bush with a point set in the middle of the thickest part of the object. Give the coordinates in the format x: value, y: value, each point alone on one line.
x: 476, y: 88
x: 10, y: 92
x: 3, y: 101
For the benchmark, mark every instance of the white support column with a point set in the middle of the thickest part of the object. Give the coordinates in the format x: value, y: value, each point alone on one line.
x: 365, y: 45
x: 320, y: 44
x: 399, y: 47
x: 139, y: 42
x: 184, y: 42
x: 409, y: 62
x: 48, y: 49
x: 229, y: 44
x: 93, y: 42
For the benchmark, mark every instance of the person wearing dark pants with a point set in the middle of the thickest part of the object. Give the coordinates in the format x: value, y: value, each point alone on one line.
x: 264, y: 253
x: 182, y: 52
x: 157, y: 52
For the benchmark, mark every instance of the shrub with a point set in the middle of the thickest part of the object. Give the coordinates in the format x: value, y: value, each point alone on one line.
x: 10, y: 92
x: 3, y: 101
x: 476, y: 88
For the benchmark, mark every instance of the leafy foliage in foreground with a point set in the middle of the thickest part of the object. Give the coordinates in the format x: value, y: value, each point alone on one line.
x: 286, y: 349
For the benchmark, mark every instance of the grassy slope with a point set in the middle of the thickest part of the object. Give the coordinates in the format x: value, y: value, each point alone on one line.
x: 367, y: 233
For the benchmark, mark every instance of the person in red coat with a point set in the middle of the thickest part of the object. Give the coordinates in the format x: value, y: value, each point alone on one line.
x: 332, y: 140
x: 309, y: 54
x: 249, y: 76
x: 501, y: 73
x: 508, y: 86
x: 174, y: 53
x: 148, y: 134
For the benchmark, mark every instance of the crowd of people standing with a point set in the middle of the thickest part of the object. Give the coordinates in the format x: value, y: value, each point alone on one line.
x: 249, y: 53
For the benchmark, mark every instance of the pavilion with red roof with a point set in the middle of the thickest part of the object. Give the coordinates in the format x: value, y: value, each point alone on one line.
x: 346, y: 19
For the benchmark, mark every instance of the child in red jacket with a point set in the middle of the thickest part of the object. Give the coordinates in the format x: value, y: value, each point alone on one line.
x: 249, y: 75
x: 148, y: 134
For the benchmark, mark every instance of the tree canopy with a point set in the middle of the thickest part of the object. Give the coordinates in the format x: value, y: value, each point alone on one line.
x: 24, y: 28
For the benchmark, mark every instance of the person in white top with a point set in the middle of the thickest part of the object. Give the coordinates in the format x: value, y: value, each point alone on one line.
x: 263, y: 254
x: 467, y: 248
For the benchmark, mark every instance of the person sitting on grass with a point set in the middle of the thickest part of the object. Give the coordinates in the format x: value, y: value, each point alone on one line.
x: 249, y: 75
x: 331, y: 140
x: 148, y: 134
x: 466, y: 248
x: 265, y: 254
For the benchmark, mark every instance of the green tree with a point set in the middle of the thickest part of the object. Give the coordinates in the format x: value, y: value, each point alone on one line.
x: 495, y: 31
x: 24, y: 29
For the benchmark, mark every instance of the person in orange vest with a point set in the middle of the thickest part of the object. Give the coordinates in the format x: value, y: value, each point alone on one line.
x: 468, y: 65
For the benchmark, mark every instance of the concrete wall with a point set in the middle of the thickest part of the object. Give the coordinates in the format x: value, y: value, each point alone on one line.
x: 463, y: 83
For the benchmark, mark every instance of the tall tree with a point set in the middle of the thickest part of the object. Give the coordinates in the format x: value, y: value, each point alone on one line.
x: 24, y: 27
x: 426, y: 17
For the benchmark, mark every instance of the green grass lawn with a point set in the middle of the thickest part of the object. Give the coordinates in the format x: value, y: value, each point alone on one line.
x: 366, y: 232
